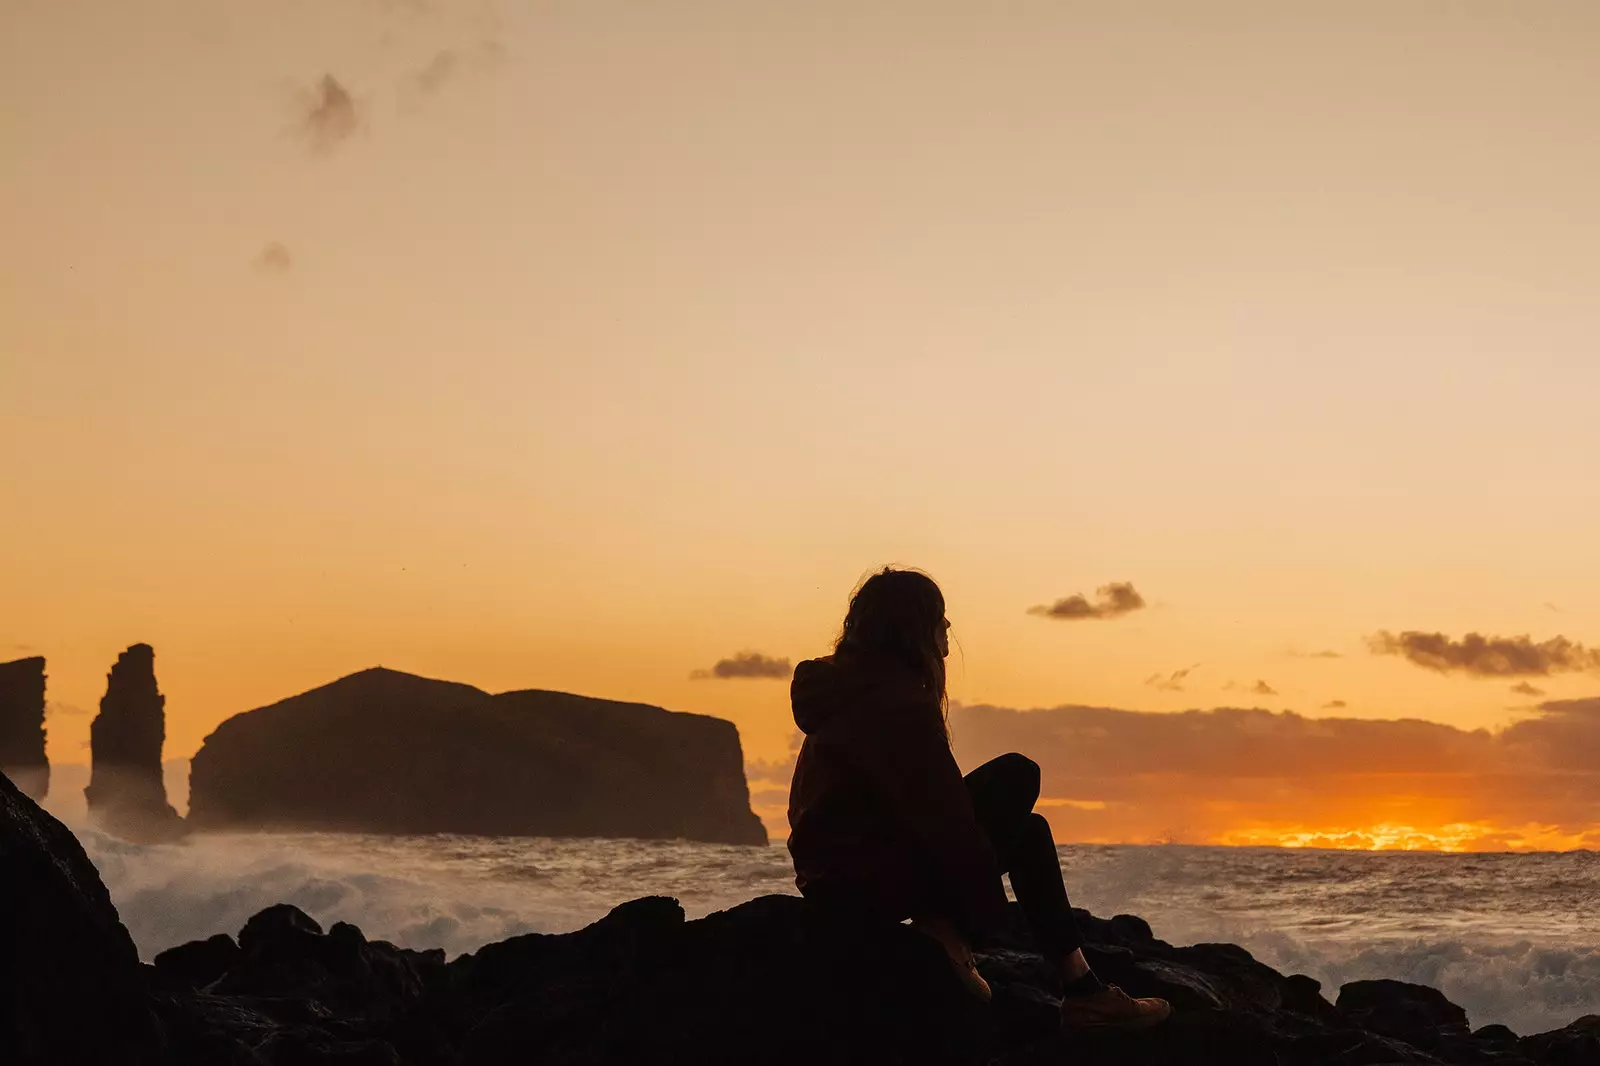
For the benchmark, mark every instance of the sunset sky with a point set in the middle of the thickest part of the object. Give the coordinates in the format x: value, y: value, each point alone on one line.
x: 583, y: 345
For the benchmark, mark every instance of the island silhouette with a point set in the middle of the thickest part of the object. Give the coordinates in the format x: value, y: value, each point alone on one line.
x: 383, y: 751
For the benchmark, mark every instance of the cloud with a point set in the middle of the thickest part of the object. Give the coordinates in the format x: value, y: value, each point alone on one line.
x: 450, y: 65
x: 1111, y: 601
x: 19, y: 647
x: 1481, y: 656
x: 769, y: 787
x: 776, y: 770
x: 328, y: 115
x: 1232, y: 775
x: 746, y: 664
x: 1261, y: 688
x: 1522, y: 688
x: 273, y: 259
x: 1172, y: 682
x: 53, y: 707
x: 1335, y: 705
x: 443, y: 67
x: 1317, y: 654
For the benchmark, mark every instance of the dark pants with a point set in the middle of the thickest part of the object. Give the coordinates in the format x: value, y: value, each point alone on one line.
x: 1004, y: 791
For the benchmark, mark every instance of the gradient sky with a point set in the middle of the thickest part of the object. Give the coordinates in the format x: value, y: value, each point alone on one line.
x: 582, y: 345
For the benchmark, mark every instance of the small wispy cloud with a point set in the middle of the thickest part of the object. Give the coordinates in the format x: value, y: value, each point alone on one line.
x: 777, y: 770
x: 328, y: 115
x: 1522, y: 688
x: 1335, y: 705
x: 449, y: 65
x: 274, y: 258
x: 1111, y: 601
x: 746, y: 664
x: 439, y: 70
x: 1172, y: 682
x: 1316, y: 655
x: 53, y: 707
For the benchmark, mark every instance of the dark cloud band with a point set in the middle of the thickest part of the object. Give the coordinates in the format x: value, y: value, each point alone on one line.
x: 1483, y: 656
x: 1199, y: 776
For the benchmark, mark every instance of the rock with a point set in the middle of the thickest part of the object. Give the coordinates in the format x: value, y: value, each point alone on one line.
x: 1576, y: 1045
x: 282, y: 930
x: 284, y: 953
x: 1417, y: 1014
x: 126, y: 793
x: 198, y: 963
x: 1303, y: 995
x: 641, y: 932
x: 71, y: 987
x: 22, y: 726
x: 768, y: 981
x: 387, y: 752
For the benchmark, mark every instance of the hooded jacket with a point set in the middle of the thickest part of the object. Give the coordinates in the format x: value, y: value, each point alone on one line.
x: 878, y: 813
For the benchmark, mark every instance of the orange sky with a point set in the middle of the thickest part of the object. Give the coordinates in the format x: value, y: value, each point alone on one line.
x: 582, y: 345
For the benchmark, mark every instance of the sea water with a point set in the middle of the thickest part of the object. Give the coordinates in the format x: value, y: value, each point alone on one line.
x: 1512, y: 938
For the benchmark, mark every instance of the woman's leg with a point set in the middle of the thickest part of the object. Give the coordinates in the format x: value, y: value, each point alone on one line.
x: 1003, y: 792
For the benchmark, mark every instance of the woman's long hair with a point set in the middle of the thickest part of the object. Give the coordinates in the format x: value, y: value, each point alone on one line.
x: 898, y: 615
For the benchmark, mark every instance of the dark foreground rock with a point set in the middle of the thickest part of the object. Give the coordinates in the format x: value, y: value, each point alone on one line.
x: 71, y: 987
x: 387, y: 752
x: 771, y: 981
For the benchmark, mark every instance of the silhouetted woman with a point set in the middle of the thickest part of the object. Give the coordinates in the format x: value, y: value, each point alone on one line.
x: 883, y: 824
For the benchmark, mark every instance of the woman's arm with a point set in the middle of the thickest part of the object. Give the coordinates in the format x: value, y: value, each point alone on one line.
x: 902, y: 748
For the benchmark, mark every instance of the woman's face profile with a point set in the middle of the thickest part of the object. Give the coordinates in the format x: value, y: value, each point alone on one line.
x: 944, y: 638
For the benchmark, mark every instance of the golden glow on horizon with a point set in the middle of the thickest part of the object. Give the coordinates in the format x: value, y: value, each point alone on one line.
x: 1459, y: 836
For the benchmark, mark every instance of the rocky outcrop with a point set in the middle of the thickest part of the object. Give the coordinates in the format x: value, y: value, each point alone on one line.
x: 771, y: 981
x: 388, y: 752
x: 71, y: 988
x: 22, y: 726
x: 126, y: 793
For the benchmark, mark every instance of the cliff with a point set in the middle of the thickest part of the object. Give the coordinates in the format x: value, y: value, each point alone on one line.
x: 387, y: 752
x: 126, y: 793
x: 22, y: 725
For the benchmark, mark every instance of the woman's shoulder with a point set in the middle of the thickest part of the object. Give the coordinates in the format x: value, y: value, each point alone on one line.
x: 863, y: 678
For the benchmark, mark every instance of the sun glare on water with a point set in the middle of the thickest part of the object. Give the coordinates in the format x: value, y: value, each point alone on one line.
x: 1457, y: 836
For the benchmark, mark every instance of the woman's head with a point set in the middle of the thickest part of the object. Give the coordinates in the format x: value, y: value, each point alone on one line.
x: 899, y: 614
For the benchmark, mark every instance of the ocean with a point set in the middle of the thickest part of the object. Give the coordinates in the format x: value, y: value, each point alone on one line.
x: 1512, y: 938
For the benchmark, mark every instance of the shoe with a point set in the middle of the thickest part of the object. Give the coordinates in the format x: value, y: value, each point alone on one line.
x: 1112, y: 1008
x: 959, y: 953
x: 974, y: 982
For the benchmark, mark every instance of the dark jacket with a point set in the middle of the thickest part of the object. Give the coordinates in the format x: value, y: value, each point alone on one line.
x: 878, y: 813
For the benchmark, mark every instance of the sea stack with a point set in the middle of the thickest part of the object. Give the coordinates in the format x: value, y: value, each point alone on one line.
x: 126, y: 793
x: 22, y: 726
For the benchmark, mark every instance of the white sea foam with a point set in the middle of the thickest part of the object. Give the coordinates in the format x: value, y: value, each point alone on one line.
x: 1504, y: 936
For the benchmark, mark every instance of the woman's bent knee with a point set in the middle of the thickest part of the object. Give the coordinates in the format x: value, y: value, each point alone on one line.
x: 1023, y: 772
